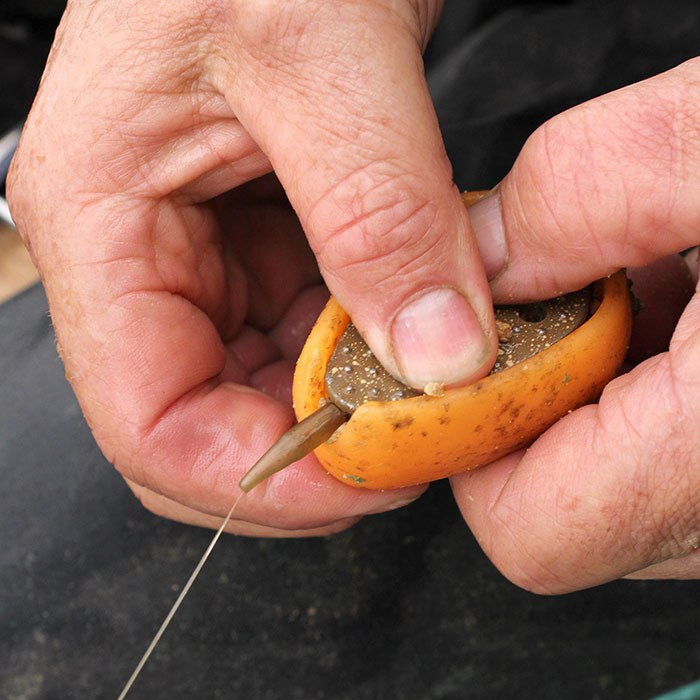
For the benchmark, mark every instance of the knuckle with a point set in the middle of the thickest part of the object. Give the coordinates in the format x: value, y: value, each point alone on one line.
x: 395, y: 232
x: 385, y: 228
x: 553, y: 191
x: 277, y: 34
x: 561, y: 156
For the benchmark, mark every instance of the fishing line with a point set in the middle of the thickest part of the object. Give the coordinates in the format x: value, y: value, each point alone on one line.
x: 178, y: 602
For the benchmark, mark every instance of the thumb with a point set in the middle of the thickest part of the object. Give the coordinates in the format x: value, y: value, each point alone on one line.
x: 608, y: 184
x: 336, y: 98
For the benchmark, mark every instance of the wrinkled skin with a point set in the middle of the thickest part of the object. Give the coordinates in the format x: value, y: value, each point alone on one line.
x: 215, y: 162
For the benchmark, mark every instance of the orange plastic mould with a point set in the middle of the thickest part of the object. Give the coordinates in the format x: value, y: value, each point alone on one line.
x: 390, y: 444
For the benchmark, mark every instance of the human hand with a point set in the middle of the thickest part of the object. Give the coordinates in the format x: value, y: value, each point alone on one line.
x: 612, y: 489
x: 180, y: 282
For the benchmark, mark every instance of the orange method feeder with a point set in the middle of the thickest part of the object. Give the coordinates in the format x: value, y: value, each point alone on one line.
x: 370, y: 431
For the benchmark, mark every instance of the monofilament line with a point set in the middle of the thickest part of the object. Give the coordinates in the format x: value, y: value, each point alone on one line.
x: 178, y: 602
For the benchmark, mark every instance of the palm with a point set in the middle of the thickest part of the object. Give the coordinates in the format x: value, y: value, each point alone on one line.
x: 227, y: 291
x: 243, y: 261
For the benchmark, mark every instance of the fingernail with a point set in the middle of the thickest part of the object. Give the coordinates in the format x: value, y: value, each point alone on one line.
x: 437, y: 338
x: 487, y: 224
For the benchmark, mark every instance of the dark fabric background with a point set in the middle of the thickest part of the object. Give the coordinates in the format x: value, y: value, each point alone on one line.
x: 404, y: 605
